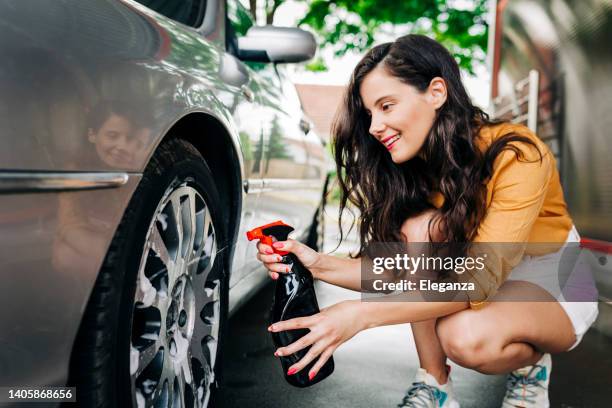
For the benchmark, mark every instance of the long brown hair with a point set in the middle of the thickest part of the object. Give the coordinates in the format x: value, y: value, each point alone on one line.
x: 386, y: 193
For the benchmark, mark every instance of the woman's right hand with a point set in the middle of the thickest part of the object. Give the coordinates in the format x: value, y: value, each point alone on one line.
x: 310, y: 258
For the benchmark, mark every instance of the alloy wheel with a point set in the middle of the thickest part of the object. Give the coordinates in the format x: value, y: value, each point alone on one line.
x: 176, y: 314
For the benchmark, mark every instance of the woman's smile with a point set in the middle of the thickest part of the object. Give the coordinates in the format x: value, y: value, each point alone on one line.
x: 390, y: 141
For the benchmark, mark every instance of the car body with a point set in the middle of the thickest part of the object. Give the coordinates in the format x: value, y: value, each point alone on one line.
x: 64, y: 59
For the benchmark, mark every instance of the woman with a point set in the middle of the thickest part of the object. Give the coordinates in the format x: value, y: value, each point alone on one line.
x: 422, y: 164
x: 118, y: 136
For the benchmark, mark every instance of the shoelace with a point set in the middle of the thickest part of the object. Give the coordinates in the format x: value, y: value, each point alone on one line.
x: 419, y: 395
x: 519, y: 384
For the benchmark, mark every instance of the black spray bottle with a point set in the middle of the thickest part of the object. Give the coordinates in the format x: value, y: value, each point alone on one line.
x: 294, y: 297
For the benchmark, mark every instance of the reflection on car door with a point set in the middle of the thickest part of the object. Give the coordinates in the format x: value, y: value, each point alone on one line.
x: 274, y: 151
x: 285, y: 163
x: 246, y: 114
x: 248, y: 120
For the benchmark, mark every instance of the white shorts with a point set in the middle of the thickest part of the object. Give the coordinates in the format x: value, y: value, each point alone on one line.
x: 538, y: 270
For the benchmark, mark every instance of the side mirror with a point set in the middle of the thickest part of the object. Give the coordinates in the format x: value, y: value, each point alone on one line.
x: 276, y: 44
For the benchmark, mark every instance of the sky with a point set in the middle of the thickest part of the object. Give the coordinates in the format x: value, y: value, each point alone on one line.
x: 340, y: 68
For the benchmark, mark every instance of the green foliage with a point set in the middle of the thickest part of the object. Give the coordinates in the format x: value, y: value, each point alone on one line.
x: 239, y: 17
x: 352, y: 24
x: 316, y: 65
x: 247, y: 147
x: 277, y: 148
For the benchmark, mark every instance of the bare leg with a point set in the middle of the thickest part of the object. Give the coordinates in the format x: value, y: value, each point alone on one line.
x: 431, y: 355
x: 506, y: 335
x: 499, y: 338
x: 511, y: 357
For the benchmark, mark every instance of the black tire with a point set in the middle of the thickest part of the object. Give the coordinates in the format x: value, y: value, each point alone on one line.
x: 100, y: 363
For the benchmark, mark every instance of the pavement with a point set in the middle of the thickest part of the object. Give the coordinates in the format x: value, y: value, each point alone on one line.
x: 375, y: 367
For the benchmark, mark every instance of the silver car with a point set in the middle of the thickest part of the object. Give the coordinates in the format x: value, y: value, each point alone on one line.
x: 139, y: 141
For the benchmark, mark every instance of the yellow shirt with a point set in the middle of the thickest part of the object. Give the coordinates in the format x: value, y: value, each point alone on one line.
x: 524, y: 204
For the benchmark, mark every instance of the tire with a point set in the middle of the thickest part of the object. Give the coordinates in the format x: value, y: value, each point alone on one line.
x: 154, y: 326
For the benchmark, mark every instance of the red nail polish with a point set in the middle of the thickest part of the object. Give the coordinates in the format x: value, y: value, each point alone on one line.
x: 292, y: 371
x: 311, y: 375
x: 269, y: 251
x: 276, y: 354
x: 277, y: 245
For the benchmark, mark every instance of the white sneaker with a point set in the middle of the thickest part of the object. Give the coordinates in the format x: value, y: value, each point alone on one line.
x: 528, y: 386
x: 425, y: 392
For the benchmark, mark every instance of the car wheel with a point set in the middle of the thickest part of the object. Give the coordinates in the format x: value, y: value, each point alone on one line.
x: 152, y: 332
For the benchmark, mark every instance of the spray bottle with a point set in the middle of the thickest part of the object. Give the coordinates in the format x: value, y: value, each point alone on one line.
x: 294, y: 297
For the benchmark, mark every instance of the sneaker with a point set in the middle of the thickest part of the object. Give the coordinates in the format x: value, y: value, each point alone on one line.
x: 528, y: 386
x: 425, y: 392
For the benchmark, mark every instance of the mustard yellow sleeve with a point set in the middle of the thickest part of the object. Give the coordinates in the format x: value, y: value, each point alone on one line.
x: 518, y: 190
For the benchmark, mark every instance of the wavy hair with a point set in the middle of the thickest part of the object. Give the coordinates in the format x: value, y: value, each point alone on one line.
x: 386, y: 193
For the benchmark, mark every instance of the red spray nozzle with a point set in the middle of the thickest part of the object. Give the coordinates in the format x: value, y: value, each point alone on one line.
x: 277, y: 229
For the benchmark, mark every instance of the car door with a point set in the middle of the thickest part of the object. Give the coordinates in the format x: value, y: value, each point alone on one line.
x: 248, y: 119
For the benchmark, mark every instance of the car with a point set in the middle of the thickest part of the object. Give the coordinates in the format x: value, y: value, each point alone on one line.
x: 140, y: 140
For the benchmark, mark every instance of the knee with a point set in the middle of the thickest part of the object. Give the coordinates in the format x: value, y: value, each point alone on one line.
x: 416, y: 229
x: 463, y: 342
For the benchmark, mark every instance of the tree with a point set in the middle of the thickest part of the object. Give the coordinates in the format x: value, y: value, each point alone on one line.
x: 276, y: 144
x: 348, y: 25
x: 268, y: 6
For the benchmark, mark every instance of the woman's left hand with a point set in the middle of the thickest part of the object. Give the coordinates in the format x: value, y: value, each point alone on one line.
x: 328, y: 330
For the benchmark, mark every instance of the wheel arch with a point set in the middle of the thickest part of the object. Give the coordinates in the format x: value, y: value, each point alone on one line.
x: 215, y: 143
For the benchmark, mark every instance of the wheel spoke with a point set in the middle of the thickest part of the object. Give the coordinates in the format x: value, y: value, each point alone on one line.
x: 207, y: 222
x: 148, y: 296
x: 159, y: 247
x: 207, y: 258
x: 176, y: 393
x: 176, y: 210
x: 182, y: 344
x: 151, y: 403
x: 181, y: 303
x: 182, y: 388
x: 198, y: 236
x: 188, y: 379
x: 189, y: 224
x: 201, y: 330
x: 147, y: 381
x: 186, y: 369
x: 196, y: 349
x: 161, y: 396
x: 145, y: 292
x: 147, y: 402
x: 208, y: 347
x: 145, y: 357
